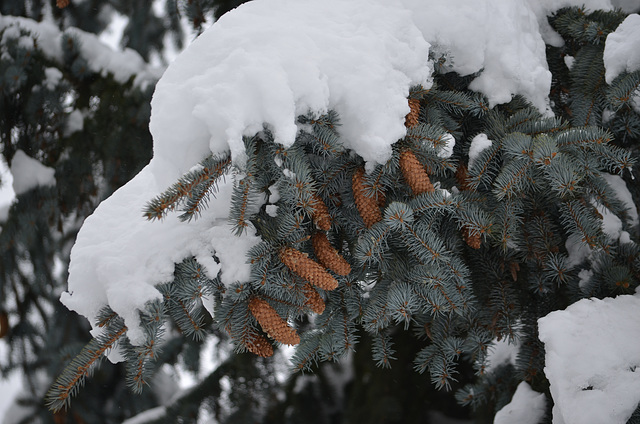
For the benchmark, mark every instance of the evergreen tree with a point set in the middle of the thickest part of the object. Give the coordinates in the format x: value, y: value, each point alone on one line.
x: 393, y: 284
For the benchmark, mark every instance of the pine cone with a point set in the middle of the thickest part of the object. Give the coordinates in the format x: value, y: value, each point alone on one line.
x: 307, y: 268
x: 473, y: 240
x: 367, y: 206
x: 272, y: 323
x: 259, y: 345
x: 411, y: 120
x: 314, y: 300
x: 462, y: 174
x: 4, y: 324
x: 62, y: 3
x: 414, y: 174
x: 328, y: 256
x: 321, y: 216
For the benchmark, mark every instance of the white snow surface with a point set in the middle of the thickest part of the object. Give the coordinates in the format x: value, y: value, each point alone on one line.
x: 501, y: 352
x: 119, y: 256
x: 277, y: 59
x: 526, y: 407
x: 264, y: 63
x: 592, y: 357
x: 479, y: 143
x: 29, y: 173
x: 622, y: 49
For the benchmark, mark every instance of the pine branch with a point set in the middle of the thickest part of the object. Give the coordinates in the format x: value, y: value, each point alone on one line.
x: 191, y: 189
x: 72, y: 378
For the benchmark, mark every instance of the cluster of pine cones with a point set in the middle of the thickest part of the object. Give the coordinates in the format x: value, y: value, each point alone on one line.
x: 316, y: 273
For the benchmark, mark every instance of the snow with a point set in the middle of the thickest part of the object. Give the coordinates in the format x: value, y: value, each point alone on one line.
x: 75, y: 122
x: 52, y: 77
x: 624, y: 195
x: 29, y: 173
x: 526, y: 407
x: 447, y: 150
x: 119, y: 256
x: 10, y: 386
x: 6, y: 190
x: 479, y: 143
x: 152, y: 414
x: 501, y: 352
x: 261, y: 65
x: 277, y: 59
x: 592, y: 357
x: 100, y: 57
x: 622, y: 49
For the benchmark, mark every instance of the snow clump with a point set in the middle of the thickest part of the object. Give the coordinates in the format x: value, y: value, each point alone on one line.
x: 592, y: 358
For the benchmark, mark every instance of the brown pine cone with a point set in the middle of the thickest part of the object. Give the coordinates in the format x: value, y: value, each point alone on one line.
x: 259, y: 345
x: 414, y: 173
x: 411, y: 120
x: 367, y: 206
x: 321, y: 216
x: 272, y: 323
x: 328, y: 256
x: 4, y: 324
x: 462, y: 174
x: 314, y: 300
x: 62, y: 3
x: 473, y: 240
x: 307, y: 268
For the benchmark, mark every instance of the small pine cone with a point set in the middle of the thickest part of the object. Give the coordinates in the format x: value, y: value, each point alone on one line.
x: 473, y: 240
x: 314, y: 300
x: 62, y: 3
x: 307, y: 268
x: 367, y: 206
x: 4, y: 324
x: 272, y: 323
x: 328, y: 256
x: 462, y: 174
x: 260, y: 346
x: 321, y: 216
x: 414, y: 174
x: 411, y: 120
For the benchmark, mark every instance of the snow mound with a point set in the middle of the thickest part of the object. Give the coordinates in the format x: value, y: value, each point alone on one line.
x: 29, y: 173
x: 263, y: 64
x: 593, y: 360
x: 622, y: 49
x: 277, y: 59
x: 526, y: 407
x: 479, y: 143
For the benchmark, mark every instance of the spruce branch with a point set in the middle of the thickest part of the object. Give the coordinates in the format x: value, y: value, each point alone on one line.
x: 623, y: 90
x: 191, y: 189
x: 72, y: 377
x: 382, y: 350
x: 581, y: 220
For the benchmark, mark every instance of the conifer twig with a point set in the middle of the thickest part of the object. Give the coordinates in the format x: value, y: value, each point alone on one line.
x: 72, y: 378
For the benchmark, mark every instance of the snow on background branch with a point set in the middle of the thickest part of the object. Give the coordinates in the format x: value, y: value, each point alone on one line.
x: 100, y: 57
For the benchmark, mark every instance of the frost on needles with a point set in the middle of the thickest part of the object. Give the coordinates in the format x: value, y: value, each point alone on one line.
x: 312, y: 180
